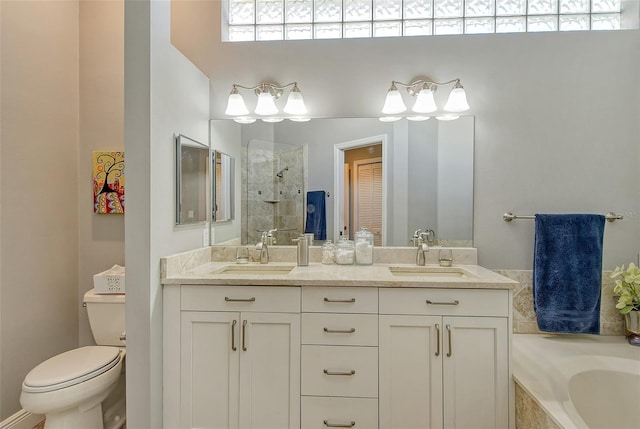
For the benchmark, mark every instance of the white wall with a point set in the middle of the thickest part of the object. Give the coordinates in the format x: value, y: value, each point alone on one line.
x: 165, y: 94
x: 39, y: 181
x: 101, y: 128
x: 551, y: 109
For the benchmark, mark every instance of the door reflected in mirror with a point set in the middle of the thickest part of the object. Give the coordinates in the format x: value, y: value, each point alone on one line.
x: 223, y: 187
x: 193, y: 181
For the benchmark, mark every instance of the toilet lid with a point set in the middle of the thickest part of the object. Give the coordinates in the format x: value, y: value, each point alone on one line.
x: 70, y: 368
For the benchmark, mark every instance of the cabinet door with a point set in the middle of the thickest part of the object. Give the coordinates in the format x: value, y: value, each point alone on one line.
x: 209, y: 376
x: 410, y: 372
x: 476, y: 385
x: 269, y: 371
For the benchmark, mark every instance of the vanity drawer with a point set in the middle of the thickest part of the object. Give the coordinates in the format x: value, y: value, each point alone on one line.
x: 340, y: 329
x: 340, y: 299
x: 445, y: 302
x: 338, y: 412
x: 340, y: 371
x: 240, y: 298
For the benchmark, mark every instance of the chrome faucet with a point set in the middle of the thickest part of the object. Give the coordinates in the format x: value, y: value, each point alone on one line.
x: 264, y: 248
x: 423, y: 248
x: 415, y: 239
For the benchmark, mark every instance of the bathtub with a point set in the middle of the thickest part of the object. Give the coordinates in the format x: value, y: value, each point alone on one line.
x: 580, y: 381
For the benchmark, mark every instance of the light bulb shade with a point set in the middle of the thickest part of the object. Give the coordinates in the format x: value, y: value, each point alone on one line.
x: 425, y: 102
x: 235, y: 105
x: 266, y: 104
x: 393, y: 103
x: 295, y: 103
x: 457, y: 101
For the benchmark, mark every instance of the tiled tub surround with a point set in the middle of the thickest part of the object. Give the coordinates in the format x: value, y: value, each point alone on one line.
x: 524, y: 318
x: 575, y: 381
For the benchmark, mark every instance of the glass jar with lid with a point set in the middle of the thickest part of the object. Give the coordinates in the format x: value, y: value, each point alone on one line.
x: 328, y: 252
x: 345, y: 252
x: 364, y: 247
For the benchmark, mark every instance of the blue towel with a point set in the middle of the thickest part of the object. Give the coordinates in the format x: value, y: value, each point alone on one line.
x: 316, y: 215
x: 567, y: 272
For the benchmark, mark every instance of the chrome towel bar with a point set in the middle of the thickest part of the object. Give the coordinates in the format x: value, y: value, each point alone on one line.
x: 508, y: 217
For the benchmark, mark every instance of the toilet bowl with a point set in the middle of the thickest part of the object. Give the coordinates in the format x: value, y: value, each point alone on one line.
x: 69, y: 389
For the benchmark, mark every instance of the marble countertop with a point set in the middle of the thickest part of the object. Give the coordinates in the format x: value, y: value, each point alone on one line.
x: 317, y: 274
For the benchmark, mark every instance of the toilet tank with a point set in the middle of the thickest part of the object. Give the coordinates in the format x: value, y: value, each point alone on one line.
x: 106, y: 317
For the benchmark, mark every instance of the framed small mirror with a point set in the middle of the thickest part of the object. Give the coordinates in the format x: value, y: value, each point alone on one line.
x: 222, y: 186
x: 193, y: 181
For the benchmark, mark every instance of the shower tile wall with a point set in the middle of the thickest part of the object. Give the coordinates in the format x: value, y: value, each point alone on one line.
x: 269, y: 201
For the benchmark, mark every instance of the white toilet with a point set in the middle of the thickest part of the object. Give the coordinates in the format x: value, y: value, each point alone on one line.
x: 69, y: 389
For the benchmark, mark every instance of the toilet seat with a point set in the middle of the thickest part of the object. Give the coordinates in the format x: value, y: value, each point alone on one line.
x: 71, y: 368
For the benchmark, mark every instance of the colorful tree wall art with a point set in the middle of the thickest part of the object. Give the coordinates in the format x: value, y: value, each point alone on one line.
x: 108, y: 182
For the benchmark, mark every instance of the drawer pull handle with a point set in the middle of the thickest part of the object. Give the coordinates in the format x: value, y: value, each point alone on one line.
x: 328, y: 424
x: 339, y: 331
x: 252, y: 299
x: 450, y: 352
x: 348, y: 373
x: 437, y: 339
x: 456, y: 302
x: 352, y: 300
x: 244, y: 335
x: 233, y: 336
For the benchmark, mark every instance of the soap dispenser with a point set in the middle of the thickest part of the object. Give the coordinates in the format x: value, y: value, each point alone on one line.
x: 303, y: 251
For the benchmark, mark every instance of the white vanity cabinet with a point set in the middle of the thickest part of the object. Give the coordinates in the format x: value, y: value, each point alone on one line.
x: 239, y: 357
x: 339, y: 357
x: 444, y: 358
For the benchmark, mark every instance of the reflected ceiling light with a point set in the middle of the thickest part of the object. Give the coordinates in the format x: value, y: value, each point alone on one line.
x: 418, y: 118
x: 272, y: 120
x: 424, y: 92
x: 244, y: 120
x: 267, y: 94
x: 447, y: 117
x: 389, y: 118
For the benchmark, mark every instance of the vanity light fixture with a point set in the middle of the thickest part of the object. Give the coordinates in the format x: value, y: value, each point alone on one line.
x: 267, y: 94
x: 424, y: 90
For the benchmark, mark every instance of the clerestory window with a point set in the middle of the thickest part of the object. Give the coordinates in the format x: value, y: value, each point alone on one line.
x: 249, y: 20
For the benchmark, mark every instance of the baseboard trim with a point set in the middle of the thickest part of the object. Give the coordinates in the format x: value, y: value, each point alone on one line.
x: 21, y: 420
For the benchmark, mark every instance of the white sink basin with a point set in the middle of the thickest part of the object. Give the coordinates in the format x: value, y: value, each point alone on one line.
x: 419, y: 271
x: 255, y: 270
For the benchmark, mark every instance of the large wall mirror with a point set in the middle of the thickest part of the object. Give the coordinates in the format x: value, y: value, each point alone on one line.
x: 193, y: 181
x: 392, y: 177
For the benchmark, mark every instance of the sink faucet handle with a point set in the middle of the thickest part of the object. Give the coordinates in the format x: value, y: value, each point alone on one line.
x: 428, y: 236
